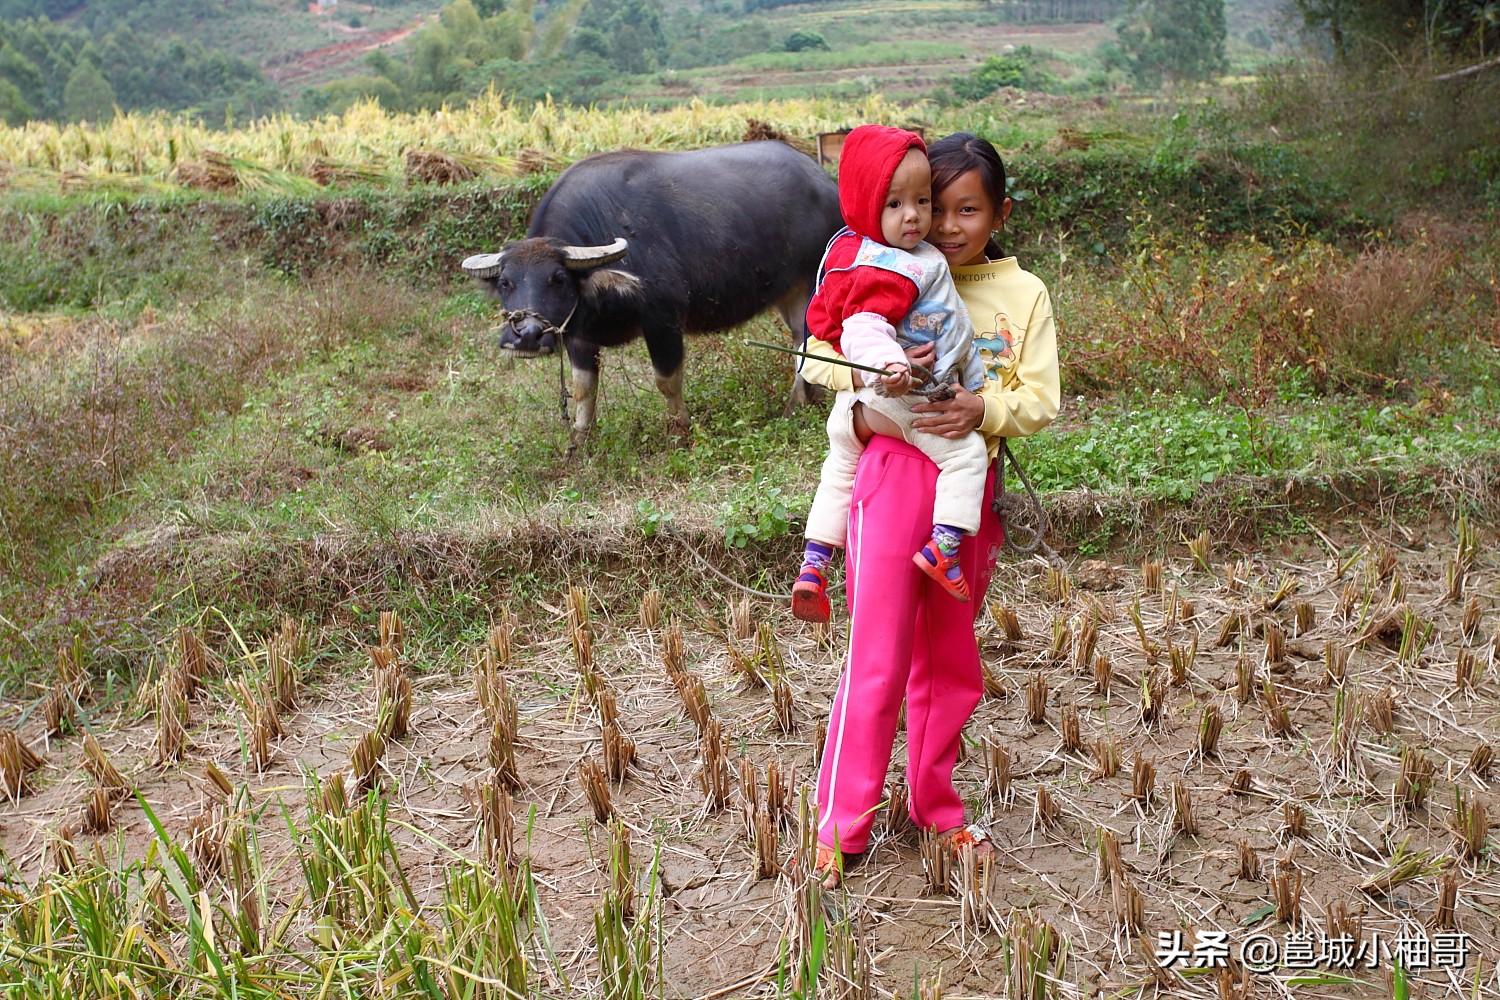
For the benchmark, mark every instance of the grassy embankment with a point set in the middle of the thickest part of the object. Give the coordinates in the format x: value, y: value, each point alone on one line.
x: 268, y: 401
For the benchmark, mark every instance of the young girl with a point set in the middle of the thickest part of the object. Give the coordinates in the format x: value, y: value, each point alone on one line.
x: 906, y: 638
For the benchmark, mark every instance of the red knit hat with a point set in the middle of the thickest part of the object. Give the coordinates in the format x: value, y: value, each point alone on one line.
x: 867, y: 163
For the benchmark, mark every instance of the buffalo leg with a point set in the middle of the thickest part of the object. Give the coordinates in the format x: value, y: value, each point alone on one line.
x: 667, y: 355
x: 792, y: 308
x: 585, y: 358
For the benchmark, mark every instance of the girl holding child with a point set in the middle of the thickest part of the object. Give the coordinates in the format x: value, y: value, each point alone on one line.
x: 911, y: 634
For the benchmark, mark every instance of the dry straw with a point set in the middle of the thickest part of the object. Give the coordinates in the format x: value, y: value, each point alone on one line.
x: 1240, y: 783
x: 99, y: 767
x: 741, y: 625
x: 1057, y: 585
x: 1103, y: 673
x: 783, y: 704
x: 171, y: 720
x: 651, y: 608
x: 1472, y: 618
x: 1304, y: 617
x: 1470, y: 824
x: 769, y: 665
x: 714, y: 775
x: 1481, y: 760
x: 619, y: 751
x: 1070, y: 729
x: 97, y: 804
x: 1150, y: 650
x: 1153, y: 703
x: 1293, y: 821
x: 1413, y: 780
x: 1210, y: 725
x: 1380, y: 711
x: 994, y: 684
x: 1275, y: 644
x: 1335, y: 663
x: 1244, y: 680
x: 596, y: 788
x: 1128, y: 905
x: 1008, y: 622
x: 997, y: 776
x: 1286, y: 588
x: 1086, y: 645
x: 1181, y: 660
x: 1445, y: 906
x: 1201, y: 549
x: 1286, y: 892
x: 1249, y: 863
x: 1230, y: 628
x: 1150, y: 577
x: 1184, y: 821
x: 365, y: 761
x: 1142, y: 780
x: 1045, y: 812
x: 1278, y: 718
x: 1106, y: 758
x: 497, y: 824
x: 1036, y: 698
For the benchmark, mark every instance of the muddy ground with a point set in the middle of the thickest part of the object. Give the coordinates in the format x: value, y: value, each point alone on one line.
x: 724, y: 926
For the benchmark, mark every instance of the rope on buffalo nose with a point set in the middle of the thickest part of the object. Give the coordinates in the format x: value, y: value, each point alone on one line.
x: 514, y: 316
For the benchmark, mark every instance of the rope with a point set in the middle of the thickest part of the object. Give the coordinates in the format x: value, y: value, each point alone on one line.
x: 1015, y: 511
x: 703, y: 560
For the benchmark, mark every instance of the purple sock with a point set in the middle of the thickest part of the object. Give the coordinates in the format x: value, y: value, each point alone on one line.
x: 816, y: 555
x: 948, y: 539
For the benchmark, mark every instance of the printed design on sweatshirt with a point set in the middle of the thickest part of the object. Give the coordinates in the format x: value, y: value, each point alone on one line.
x: 897, y: 260
x: 999, y: 347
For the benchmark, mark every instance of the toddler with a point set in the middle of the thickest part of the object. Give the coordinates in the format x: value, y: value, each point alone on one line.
x: 881, y: 287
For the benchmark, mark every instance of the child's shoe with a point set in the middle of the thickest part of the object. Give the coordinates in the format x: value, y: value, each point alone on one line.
x: 810, y: 596
x: 944, y: 569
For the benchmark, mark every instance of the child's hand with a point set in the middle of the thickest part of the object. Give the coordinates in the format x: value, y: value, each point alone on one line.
x: 898, y: 382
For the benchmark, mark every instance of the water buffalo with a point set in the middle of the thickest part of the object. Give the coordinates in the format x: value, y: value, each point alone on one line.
x: 640, y: 244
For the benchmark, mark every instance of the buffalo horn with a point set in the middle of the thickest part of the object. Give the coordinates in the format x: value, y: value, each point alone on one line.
x: 583, y: 258
x: 482, y: 265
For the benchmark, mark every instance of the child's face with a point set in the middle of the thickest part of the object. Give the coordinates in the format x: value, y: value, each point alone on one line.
x: 963, y: 216
x: 908, y: 204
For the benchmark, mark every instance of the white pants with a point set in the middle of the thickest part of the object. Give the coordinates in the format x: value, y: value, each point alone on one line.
x: 962, y: 464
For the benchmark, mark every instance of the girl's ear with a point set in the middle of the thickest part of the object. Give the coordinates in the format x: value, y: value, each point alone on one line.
x: 1005, y: 207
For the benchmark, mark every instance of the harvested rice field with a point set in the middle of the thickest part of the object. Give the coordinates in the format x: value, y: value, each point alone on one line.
x: 1207, y: 752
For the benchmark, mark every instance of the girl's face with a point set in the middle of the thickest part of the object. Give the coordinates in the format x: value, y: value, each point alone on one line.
x: 963, y: 216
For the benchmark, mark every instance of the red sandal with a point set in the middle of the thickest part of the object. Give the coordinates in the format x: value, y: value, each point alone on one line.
x: 810, y: 596
x: 930, y: 560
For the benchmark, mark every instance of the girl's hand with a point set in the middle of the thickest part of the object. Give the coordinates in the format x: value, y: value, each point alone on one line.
x: 897, y: 383
x: 917, y: 354
x: 951, y: 418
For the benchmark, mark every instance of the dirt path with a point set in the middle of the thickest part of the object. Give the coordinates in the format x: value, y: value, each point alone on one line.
x: 317, y: 62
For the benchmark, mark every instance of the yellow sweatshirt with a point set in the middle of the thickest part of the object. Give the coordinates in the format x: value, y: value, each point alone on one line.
x: 1017, y: 344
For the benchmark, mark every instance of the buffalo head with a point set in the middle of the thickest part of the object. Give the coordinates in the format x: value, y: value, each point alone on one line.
x: 540, y: 282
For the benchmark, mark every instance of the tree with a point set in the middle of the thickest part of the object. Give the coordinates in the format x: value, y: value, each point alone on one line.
x: 13, y: 107
x: 629, y: 31
x: 88, y: 95
x: 800, y: 41
x: 1173, y: 40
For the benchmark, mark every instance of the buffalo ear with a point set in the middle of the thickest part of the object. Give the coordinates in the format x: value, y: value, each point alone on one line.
x: 607, y: 283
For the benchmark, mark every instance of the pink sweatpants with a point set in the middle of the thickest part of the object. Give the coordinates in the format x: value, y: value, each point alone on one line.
x: 907, y: 639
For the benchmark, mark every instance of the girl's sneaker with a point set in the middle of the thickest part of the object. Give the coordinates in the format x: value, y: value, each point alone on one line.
x: 943, y: 569
x: 810, y: 596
